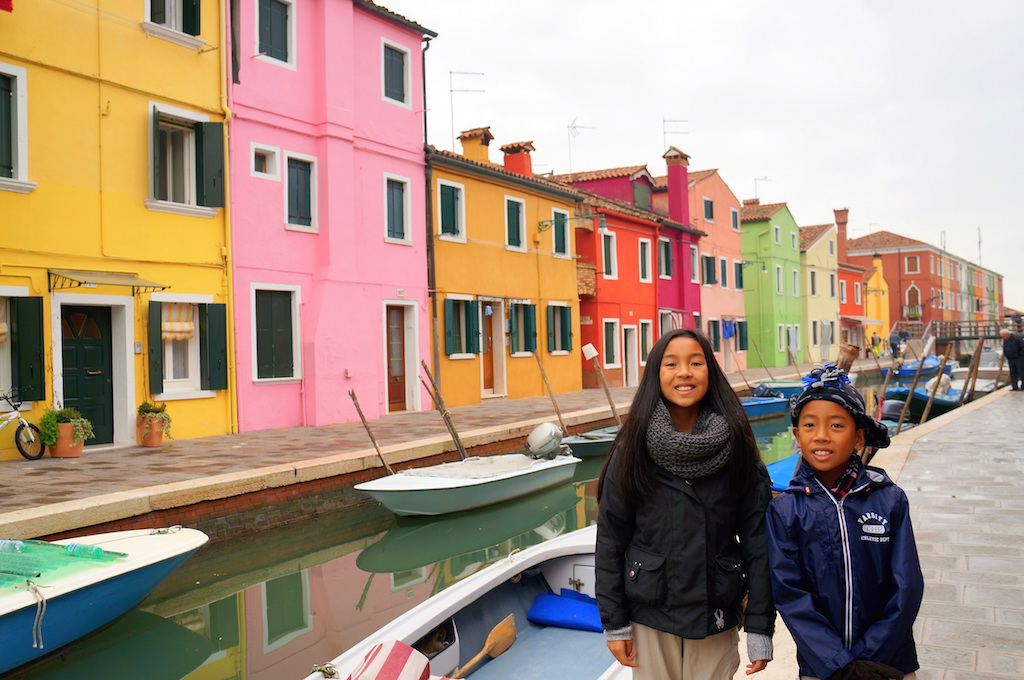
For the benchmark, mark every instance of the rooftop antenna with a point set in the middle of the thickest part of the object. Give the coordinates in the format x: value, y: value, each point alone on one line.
x: 942, y: 239
x: 574, y: 131
x: 979, y: 245
x: 451, y: 95
x: 759, y: 179
x: 665, y: 132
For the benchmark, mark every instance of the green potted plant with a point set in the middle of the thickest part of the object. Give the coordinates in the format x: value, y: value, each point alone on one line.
x: 64, y: 431
x: 154, y: 422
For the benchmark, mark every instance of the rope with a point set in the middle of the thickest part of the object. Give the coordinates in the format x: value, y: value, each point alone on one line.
x: 327, y: 669
x: 167, y: 530
x: 37, y: 625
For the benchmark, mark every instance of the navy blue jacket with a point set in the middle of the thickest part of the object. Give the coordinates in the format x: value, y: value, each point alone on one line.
x: 845, y: 573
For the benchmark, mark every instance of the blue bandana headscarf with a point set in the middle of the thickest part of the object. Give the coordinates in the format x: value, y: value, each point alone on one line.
x: 833, y: 384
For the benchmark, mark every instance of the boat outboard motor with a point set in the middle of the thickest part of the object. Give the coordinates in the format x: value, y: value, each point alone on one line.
x: 545, y: 441
x: 762, y: 390
x: 892, y: 408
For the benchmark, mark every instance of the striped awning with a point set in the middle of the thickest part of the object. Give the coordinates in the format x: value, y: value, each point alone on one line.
x: 177, y: 321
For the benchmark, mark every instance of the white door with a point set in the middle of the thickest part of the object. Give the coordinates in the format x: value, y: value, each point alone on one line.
x: 630, y: 356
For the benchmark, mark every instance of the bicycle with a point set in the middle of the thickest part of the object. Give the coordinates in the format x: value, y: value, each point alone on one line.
x: 26, y: 437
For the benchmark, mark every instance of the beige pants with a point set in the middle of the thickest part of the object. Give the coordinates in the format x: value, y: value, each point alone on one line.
x: 663, y: 656
x: 908, y: 676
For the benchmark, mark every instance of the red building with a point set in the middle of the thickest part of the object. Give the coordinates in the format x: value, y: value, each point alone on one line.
x: 854, y: 326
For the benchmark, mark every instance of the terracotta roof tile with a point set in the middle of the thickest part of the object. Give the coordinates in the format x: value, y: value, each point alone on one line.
x: 591, y: 175
x: 882, y: 239
x: 380, y: 9
x: 494, y: 167
x: 808, y: 235
x: 755, y: 212
x: 695, y: 176
x: 590, y: 198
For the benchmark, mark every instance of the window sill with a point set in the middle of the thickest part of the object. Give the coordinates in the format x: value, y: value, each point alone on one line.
x: 310, y: 229
x: 515, y: 249
x: 275, y: 381
x: 520, y: 355
x: 564, y: 256
x: 453, y: 238
x: 398, y: 241
x: 559, y: 352
x: 170, y: 35
x: 190, y: 394
x: 664, y: 278
x: 457, y: 357
x: 17, y: 186
x: 157, y: 205
x: 276, y: 62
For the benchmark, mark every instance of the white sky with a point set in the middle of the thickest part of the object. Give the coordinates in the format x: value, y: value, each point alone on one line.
x: 910, y: 114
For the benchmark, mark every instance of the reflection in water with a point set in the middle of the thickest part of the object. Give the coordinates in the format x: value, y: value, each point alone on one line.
x: 270, y: 605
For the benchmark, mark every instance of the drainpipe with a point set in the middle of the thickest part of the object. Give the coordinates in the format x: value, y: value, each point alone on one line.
x: 431, y: 274
x: 226, y: 255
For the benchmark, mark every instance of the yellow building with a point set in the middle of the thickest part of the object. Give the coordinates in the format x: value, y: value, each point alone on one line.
x: 114, y: 249
x: 504, y: 272
x: 876, y: 302
x: 820, y: 292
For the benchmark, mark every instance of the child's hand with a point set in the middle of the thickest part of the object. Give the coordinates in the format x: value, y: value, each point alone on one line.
x: 757, y: 666
x: 623, y: 652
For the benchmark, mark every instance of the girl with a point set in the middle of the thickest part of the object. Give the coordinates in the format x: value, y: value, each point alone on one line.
x: 680, y: 530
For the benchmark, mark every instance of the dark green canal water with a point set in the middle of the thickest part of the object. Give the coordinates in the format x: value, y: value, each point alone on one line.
x: 270, y: 606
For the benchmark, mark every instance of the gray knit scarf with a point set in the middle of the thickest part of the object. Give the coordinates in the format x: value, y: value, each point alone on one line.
x: 690, y: 455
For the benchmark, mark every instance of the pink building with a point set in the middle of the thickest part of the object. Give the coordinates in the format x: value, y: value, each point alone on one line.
x: 328, y: 211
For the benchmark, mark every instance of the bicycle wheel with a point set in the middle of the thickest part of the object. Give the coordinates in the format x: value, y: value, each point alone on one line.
x: 29, y: 442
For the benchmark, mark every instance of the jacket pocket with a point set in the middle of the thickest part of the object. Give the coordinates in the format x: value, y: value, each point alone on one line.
x: 730, y: 580
x: 645, y: 576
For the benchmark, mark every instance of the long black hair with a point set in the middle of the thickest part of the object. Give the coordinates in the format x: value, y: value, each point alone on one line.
x: 629, y: 451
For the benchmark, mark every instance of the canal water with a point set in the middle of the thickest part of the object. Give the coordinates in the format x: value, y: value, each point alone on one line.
x: 270, y: 606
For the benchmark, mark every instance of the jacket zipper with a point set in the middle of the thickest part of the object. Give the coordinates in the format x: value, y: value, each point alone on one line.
x: 847, y: 561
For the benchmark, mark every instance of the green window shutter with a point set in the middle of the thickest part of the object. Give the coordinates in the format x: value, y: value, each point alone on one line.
x: 300, y: 192
x: 394, y: 74
x: 561, y: 234
x: 213, y: 347
x: 6, y: 126
x: 27, y: 367
x: 396, y: 209
x: 514, y: 327
x: 472, y: 327
x: 158, y: 12
x: 190, y: 16
x: 551, y: 328
x: 512, y: 212
x: 210, y: 164
x: 530, y: 328
x: 274, y: 352
x: 156, y: 348
x: 449, y: 210
x: 157, y: 170
x: 449, y: 329
x: 566, y: 328
x: 741, y: 333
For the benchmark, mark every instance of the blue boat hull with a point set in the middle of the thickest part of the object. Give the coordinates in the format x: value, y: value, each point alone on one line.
x: 72, y: 615
x: 764, y: 407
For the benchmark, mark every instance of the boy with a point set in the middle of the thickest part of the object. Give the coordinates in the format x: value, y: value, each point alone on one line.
x: 845, y: 571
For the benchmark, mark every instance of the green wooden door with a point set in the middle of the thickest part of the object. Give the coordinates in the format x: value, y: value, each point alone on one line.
x: 88, y: 370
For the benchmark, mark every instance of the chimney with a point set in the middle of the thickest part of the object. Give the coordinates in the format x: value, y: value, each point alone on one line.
x: 678, y: 185
x: 751, y: 201
x: 517, y: 157
x: 475, y: 143
x: 842, y: 214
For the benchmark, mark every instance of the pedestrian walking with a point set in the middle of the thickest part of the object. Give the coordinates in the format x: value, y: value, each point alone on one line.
x: 681, y: 539
x: 1013, y: 352
x: 894, y: 344
x: 876, y: 344
x: 845, y: 571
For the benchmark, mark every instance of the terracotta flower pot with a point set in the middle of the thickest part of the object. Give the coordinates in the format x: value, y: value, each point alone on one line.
x: 64, y: 448
x: 151, y: 432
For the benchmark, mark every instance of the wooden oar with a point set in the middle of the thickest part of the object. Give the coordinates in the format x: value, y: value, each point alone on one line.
x: 366, y: 425
x: 739, y: 371
x: 435, y: 394
x: 910, y: 396
x: 761, y: 357
x: 972, y: 372
x: 935, y: 387
x: 896, y: 363
x: 498, y: 642
x: 999, y: 374
x: 551, y: 393
x: 590, y: 352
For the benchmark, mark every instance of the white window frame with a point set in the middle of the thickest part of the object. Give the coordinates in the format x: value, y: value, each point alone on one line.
x: 665, y: 257
x: 407, y: 104
x: 7, y: 292
x: 610, y: 244
x: 567, y: 225
x: 735, y: 216
x: 466, y: 300
x: 832, y: 285
x: 646, y: 333
x: 522, y: 223
x: 19, y: 184
x: 794, y: 243
x: 796, y: 283
x: 190, y: 207
x: 695, y: 272
x: 557, y: 329
x: 704, y: 259
x: 737, y: 275
x: 781, y: 333
x: 812, y: 277
x: 460, y: 215
x: 831, y: 247
x: 778, y: 234
x: 515, y: 308
x: 814, y: 332
x: 307, y: 615
x: 314, y: 226
x: 842, y: 291
x: 723, y: 272
x: 296, y: 292
x: 778, y: 279
x: 406, y: 209
x: 618, y: 343
x: 643, y: 262
x: 171, y: 31
x: 175, y: 390
x: 856, y: 293
x: 273, y: 154
x: 293, y: 21
x: 705, y: 201
x: 917, y: 269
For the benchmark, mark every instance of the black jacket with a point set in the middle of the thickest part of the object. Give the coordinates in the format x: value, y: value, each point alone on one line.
x: 1013, y: 347
x: 673, y: 562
